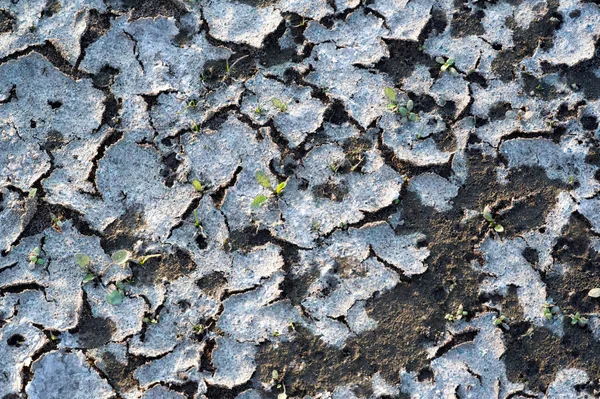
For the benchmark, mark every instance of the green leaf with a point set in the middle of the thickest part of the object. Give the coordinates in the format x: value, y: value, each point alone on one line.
x: 499, y: 228
x: 487, y: 214
x: 403, y: 111
x: 114, y: 298
x: 263, y: 179
x: 40, y: 261
x: 36, y: 251
x: 410, y: 105
x: 390, y: 93
x: 82, y: 260
x: 443, y: 68
x: 280, y: 187
x: 88, y: 277
x: 594, y: 293
x: 32, y: 193
x: 279, y: 104
x: 121, y: 257
x: 413, y: 117
x: 258, y: 201
x: 450, y: 62
x: 275, y: 374
x: 392, y: 107
x: 197, y: 185
x: 440, y: 60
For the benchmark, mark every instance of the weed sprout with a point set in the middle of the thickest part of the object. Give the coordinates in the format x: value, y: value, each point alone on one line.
x: 394, y: 106
x: 446, y: 65
x: 487, y: 215
x: 264, y: 181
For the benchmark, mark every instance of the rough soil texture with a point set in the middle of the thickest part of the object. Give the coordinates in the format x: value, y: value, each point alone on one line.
x: 318, y: 199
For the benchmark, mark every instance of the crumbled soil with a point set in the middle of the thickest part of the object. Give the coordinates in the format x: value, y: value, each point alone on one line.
x: 410, y: 317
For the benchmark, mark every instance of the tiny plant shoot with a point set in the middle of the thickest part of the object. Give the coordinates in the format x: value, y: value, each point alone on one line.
x: 84, y: 261
x: 197, y: 185
x: 280, y: 105
x: 446, y: 65
x: 34, y: 257
x: 550, y: 309
x: 264, y: 181
x: 578, y: 319
x: 487, y: 215
x: 500, y: 321
x: 395, y: 107
x: 115, y: 297
x: 459, y: 314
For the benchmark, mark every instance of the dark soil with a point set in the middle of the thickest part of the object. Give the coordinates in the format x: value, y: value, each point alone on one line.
x: 411, y: 316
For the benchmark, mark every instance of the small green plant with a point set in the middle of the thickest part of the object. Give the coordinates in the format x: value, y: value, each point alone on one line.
x: 198, y: 225
x: 394, y: 106
x: 144, y: 259
x: 229, y: 68
x: 258, y: 109
x: 277, y: 379
x: 550, y: 309
x: 32, y: 193
x: 84, y: 261
x: 116, y: 296
x: 34, y: 257
x: 264, y: 181
x: 460, y: 313
x: 149, y: 320
x: 501, y: 321
x: 277, y: 103
x: 446, y: 65
x: 195, y: 127
x: 122, y: 256
x: 192, y: 104
x: 197, y: 185
x: 578, y: 319
x: 487, y: 215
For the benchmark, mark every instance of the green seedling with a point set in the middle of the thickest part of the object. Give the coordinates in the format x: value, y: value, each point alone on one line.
x: 197, y: 185
x: 34, y: 257
x: 84, y: 261
x: 500, y: 321
x: 578, y: 319
x: 264, y: 181
x: 258, y: 109
x: 192, y: 104
x: 460, y: 313
x: 145, y: 258
x: 195, y: 127
x: 148, y: 320
x: 316, y: 226
x: 277, y: 103
x: 198, y: 224
x: 229, y: 68
x: 550, y: 309
x: 116, y: 296
x: 394, y: 106
x: 446, y: 65
x: 32, y: 193
x: 277, y: 379
x: 487, y: 215
x: 121, y: 257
